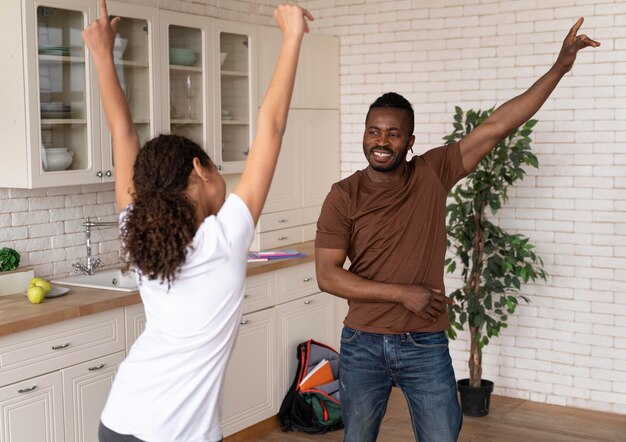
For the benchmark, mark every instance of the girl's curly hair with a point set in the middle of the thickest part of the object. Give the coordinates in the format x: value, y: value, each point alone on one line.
x: 160, y: 227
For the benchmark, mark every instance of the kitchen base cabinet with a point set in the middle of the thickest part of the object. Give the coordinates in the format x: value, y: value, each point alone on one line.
x: 135, y: 318
x: 32, y: 410
x: 85, y: 390
x: 250, y: 393
x: 54, y: 380
x: 311, y: 317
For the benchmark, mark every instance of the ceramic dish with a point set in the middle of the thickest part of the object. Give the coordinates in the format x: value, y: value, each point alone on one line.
x: 182, y: 56
x: 55, y: 292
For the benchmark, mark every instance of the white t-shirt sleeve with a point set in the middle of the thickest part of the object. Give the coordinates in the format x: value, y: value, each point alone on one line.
x: 237, y: 224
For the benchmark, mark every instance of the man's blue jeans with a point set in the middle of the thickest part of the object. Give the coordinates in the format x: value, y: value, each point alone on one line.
x: 418, y: 363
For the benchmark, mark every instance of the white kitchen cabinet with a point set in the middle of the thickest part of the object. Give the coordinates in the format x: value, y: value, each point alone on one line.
x: 55, y: 133
x: 54, y: 379
x: 234, y: 93
x: 311, y: 317
x: 32, y: 410
x: 135, y: 318
x: 186, y: 63
x: 86, y: 387
x: 317, y: 79
x: 309, y: 160
x: 136, y: 60
x: 250, y: 387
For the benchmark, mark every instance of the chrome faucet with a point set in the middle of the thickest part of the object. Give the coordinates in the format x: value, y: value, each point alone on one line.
x: 92, y: 261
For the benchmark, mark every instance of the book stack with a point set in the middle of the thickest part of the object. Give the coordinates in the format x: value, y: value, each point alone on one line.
x: 319, y: 375
x: 270, y: 255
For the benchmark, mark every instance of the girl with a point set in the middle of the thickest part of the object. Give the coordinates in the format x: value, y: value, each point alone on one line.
x: 188, y: 244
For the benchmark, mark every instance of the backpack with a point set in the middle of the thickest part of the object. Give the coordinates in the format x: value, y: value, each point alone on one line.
x: 316, y: 410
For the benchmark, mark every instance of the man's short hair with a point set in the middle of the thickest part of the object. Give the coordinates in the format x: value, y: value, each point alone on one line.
x: 392, y: 100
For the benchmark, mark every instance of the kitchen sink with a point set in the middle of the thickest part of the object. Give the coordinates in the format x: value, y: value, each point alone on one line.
x: 107, y: 279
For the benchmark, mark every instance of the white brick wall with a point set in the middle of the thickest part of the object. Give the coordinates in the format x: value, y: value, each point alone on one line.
x: 567, y: 347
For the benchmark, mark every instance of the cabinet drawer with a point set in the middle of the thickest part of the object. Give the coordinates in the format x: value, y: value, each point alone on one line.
x: 44, y: 349
x: 280, y: 238
x: 280, y: 220
x: 296, y: 282
x: 259, y: 292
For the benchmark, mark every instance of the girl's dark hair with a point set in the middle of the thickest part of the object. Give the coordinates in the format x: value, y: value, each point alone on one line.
x: 395, y: 101
x: 159, y: 229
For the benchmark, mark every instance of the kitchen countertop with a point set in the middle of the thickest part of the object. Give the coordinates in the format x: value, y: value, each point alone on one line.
x: 17, y: 314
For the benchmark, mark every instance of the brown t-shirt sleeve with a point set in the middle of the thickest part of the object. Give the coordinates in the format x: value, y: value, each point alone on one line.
x: 333, y: 225
x: 447, y: 163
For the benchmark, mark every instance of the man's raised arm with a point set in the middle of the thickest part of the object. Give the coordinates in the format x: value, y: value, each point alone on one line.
x: 518, y: 110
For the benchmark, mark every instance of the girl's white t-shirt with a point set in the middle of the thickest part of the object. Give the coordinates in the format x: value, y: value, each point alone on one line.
x: 169, y: 387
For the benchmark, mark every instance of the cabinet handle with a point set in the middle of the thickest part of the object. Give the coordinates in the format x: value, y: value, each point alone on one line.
x: 97, y: 367
x: 108, y: 173
x: 246, y: 296
x: 27, y: 389
x: 282, y: 238
x: 244, y: 322
x: 219, y: 167
x: 307, y: 279
x: 99, y: 174
x: 60, y: 347
x: 307, y: 302
x: 283, y: 220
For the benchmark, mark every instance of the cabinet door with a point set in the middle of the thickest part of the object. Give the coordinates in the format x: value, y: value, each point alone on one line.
x: 85, y: 390
x: 319, y: 142
x: 135, y: 61
x: 186, y: 61
x: 32, y: 410
x: 234, y: 93
x: 63, y: 119
x: 286, y: 190
x: 250, y: 387
x: 135, y: 317
x: 317, y: 85
x: 312, y: 317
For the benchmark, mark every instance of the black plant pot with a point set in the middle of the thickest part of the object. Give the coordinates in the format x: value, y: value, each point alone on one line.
x: 475, y: 400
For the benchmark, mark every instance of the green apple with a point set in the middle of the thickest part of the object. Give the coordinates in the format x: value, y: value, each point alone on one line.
x: 39, y: 282
x: 36, y: 294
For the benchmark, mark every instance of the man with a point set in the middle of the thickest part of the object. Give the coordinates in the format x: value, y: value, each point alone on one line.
x: 389, y: 220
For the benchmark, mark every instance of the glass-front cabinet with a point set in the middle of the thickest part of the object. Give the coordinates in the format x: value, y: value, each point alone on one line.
x: 186, y: 60
x: 134, y: 59
x: 235, y: 93
x: 181, y: 73
x: 63, y: 121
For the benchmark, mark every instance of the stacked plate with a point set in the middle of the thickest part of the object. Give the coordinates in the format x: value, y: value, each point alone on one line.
x: 55, y: 109
x: 54, y: 50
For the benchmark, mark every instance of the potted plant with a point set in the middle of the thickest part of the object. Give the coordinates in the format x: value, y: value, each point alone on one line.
x: 493, y: 263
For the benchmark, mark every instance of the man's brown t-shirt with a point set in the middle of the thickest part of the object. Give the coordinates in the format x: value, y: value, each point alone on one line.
x: 395, y: 233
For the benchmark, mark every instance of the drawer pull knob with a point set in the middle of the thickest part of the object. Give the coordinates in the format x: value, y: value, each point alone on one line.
x: 60, y: 347
x: 97, y: 367
x: 282, y: 238
x: 307, y: 279
x: 283, y: 220
x: 27, y: 389
x: 307, y: 302
x: 244, y: 322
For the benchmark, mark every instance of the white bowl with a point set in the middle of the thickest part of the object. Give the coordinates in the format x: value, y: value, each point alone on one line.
x: 119, y: 47
x: 58, y: 158
x: 223, y: 56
